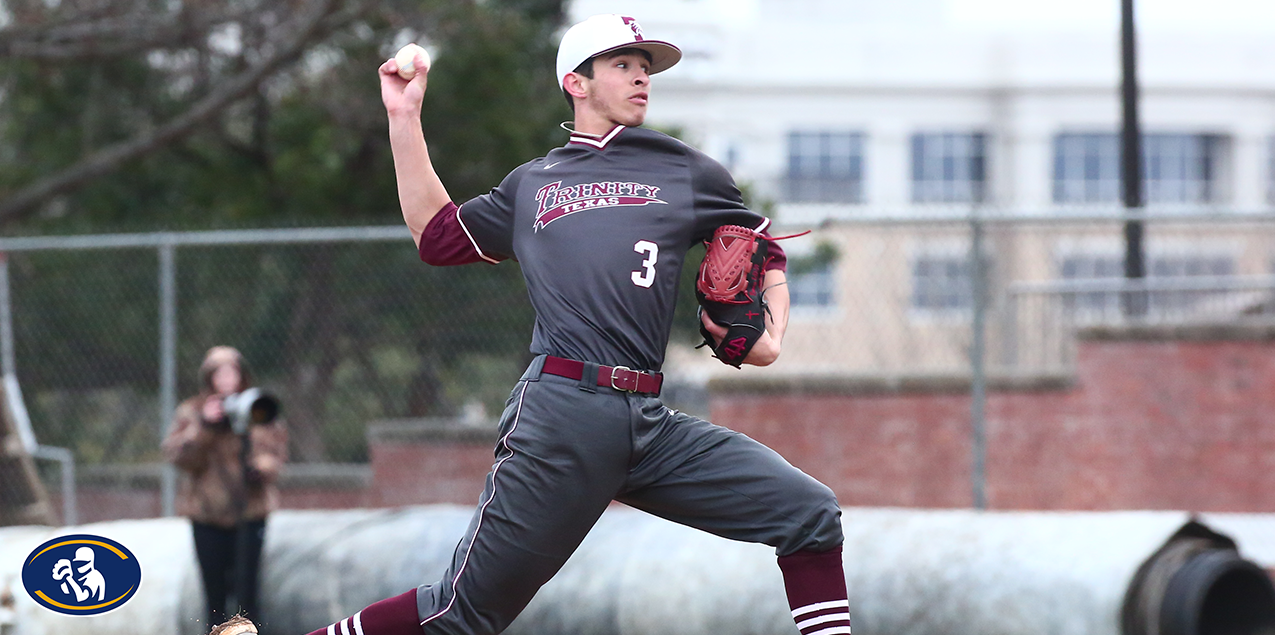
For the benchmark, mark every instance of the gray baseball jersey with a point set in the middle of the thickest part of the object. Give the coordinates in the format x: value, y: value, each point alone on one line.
x: 601, y: 228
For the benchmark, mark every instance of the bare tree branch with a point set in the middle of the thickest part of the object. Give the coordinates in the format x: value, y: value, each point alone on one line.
x: 293, y: 39
x: 110, y: 36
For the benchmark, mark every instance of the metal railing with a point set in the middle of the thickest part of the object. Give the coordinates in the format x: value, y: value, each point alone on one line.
x: 1038, y: 319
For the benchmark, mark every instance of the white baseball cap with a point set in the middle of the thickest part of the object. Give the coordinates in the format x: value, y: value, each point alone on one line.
x: 603, y: 33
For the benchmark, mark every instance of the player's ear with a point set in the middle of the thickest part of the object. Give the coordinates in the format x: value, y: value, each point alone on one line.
x: 576, y: 85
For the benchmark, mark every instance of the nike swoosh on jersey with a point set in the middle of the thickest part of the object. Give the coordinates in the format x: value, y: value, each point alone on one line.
x: 551, y: 165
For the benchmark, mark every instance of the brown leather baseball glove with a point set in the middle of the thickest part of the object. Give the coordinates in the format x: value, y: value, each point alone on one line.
x: 729, y: 290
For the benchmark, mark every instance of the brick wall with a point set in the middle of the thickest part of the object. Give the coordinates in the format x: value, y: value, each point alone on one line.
x: 1153, y: 419
x: 424, y: 461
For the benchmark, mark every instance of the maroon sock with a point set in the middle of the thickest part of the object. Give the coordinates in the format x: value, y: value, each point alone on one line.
x: 392, y: 616
x: 817, y: 595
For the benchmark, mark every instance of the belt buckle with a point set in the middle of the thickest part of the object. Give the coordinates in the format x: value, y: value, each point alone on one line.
x: 633, y: 377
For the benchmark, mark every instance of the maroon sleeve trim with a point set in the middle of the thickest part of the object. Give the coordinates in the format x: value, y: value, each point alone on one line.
x: 775, y: 256
x: 446, y: 241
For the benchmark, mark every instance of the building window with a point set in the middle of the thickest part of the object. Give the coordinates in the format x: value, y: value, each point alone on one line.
x: 1186, y: 266
x: 941, y: 283
x: 1180, y: 168
x: 825, y: 167
x: 1091, y: 267
x: 1176, y: 168
x: 1086, y: 168
x: 1088, y: 267
x: 812, y: 288
x: 811, y: 278
x: 948, y: 167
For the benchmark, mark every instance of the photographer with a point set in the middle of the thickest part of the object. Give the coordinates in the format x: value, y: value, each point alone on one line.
x: 226, y: 497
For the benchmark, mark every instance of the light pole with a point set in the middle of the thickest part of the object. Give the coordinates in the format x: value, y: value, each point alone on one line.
x: 1133, y: 303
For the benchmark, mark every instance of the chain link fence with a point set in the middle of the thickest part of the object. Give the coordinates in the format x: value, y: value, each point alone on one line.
x: 345, y: 326
x: 348, y: 327
x: 896, y: 297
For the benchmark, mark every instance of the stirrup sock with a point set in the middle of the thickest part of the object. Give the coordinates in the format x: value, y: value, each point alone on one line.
x: 816, y: 586
x: 392, y: 616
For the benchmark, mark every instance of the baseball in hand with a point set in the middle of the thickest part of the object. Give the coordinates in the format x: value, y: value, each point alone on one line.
x: 406, y: 58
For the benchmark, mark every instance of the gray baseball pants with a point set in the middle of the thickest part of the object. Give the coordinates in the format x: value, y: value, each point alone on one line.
x: 566, y: 450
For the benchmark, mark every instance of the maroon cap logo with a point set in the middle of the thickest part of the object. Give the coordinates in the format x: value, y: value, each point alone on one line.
x: 637, y: 30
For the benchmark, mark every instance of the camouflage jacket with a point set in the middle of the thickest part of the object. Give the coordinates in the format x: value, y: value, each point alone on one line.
x: 213, y: 485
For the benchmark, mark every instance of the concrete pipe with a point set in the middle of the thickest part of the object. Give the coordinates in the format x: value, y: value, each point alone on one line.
x: 909, y: 572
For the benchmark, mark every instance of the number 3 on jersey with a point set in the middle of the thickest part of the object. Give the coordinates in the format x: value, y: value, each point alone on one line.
x: 646, y: 277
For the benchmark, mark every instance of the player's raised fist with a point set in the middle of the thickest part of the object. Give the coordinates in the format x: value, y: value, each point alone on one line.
x: 404, y: 95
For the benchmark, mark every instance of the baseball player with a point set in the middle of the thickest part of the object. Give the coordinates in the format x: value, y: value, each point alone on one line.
x: 600, y: 227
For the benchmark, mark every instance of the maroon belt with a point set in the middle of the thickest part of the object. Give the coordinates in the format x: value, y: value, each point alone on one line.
x: 617, y: 377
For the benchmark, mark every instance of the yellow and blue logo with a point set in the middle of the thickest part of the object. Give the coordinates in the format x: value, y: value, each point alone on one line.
x: 81, y: 574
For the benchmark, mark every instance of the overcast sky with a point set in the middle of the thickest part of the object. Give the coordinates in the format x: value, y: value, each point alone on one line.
x: 1160, y: 15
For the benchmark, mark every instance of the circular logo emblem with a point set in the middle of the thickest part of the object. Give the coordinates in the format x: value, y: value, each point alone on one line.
x: 81, y: 574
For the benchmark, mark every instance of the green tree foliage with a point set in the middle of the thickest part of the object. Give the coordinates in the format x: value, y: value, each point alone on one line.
x: 308, y: 145
x: 346, y: 333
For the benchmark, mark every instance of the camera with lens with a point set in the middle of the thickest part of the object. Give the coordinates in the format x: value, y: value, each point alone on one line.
x: 250, y: 407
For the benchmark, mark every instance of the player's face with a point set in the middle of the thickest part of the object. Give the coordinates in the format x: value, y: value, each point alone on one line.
x: 620, y: 88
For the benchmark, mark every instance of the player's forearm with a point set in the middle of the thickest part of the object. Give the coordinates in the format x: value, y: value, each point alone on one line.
x: 777, y: 300
x: 768, y: 347
x: 420, y: 192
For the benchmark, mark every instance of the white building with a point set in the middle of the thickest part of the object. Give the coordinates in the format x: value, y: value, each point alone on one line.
x: 851, y: 90
x: 850, y: 109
